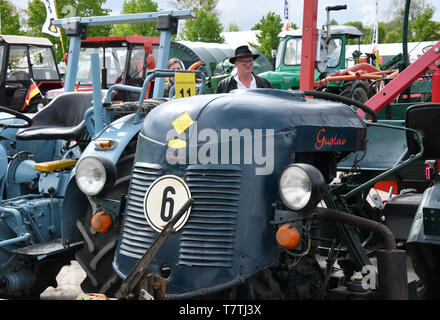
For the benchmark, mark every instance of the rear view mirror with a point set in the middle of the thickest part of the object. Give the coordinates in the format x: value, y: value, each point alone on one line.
x: 426, y: 119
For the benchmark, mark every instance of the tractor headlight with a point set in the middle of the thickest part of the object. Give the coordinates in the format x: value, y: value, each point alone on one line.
x: 94, y: 174
x: 301, y: 186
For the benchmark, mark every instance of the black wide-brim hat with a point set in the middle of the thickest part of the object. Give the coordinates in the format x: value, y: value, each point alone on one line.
x: 243, y: 51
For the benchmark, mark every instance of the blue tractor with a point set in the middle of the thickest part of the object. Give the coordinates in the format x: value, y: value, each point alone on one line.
x: 255, y: 194
x: 39, y: 227
x: 232, y: 196
x: 228, y: 196
x: 38, y: 155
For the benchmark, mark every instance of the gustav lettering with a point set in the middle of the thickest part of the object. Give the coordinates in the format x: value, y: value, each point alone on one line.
x: 322, y: 140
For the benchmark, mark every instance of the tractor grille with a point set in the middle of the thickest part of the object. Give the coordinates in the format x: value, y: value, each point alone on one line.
x: 137, y: 234
x: 208, y: 236
x: 207, y: 239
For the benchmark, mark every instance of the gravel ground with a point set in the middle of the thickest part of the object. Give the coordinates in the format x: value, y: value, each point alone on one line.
x: 69, y: 284
x: 70, y: 277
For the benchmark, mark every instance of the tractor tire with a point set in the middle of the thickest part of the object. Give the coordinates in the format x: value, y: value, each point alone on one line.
x: 356, y: 90
x: 96, y: 255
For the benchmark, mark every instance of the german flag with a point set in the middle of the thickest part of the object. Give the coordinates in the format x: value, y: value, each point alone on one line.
x: 32, y: 92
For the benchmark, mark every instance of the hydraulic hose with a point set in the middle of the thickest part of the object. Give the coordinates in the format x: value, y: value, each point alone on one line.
x: 338, y: 98
x: 391, y: 263
x: 363, y: 223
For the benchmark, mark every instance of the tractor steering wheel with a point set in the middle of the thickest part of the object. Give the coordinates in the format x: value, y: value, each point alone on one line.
x: 17, y: 114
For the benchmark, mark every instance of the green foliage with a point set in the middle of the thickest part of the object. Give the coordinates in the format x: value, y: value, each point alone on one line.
x: 142, y: 29
x: 208, y: 5
x: 417, y: 7
x: 10, y: 22
x: 393, y: 36
x: 293, y: 26
x: 206, y: 27
x: 421, y: 26
x: 36, y: 12
x: 270, y: 26
x: 360, y: 27
x: 232, y: 27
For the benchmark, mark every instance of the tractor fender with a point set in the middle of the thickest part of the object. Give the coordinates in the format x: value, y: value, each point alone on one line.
x: 120, y: 131
x: 75, y: 203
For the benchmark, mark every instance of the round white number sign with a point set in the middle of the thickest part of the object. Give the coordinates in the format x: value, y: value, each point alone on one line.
x: 163, y: 199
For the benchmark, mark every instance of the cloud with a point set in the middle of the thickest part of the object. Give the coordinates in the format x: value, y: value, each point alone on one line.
x: 244, y: 13
x: 369, y: 14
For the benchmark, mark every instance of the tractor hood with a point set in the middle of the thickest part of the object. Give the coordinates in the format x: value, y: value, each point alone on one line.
x: 312, y: 124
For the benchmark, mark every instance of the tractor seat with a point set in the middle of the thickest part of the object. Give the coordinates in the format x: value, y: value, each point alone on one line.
x: 62, y: 118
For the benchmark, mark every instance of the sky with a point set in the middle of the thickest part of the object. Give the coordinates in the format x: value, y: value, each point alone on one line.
x: 246, y: 13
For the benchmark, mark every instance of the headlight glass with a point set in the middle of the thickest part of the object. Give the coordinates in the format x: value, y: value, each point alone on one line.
x: 295, y: 188
x: 91, y: 176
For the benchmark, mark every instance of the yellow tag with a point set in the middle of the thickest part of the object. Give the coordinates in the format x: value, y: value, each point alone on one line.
x: 185, y: 84
x: 182, y: 123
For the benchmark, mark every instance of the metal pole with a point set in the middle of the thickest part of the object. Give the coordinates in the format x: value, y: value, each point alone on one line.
x: 97, y: 94
x: 72, y: 66
x: 163, y: 56
x: 308, y: 53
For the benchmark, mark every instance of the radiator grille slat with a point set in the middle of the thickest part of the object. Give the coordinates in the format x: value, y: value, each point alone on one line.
x: 208, y: 236
x: 137, y: 235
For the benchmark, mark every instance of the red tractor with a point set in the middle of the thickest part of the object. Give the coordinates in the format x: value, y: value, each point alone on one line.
x: 28, y: 71
x: 124, y: 60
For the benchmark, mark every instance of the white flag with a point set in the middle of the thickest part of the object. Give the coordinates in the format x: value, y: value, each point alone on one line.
x: 51, y: 15
x: 375, y: 32
x: 286, y: 15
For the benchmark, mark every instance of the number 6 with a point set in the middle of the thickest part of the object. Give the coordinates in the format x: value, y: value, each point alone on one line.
x: 165, y: 199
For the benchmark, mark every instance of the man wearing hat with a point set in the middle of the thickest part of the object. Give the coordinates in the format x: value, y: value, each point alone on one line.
x: 245, y: 78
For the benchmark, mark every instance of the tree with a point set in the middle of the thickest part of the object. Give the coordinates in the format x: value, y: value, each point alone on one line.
x: 359, y: 26
x: 417, y: 7
x: 293, y: 26
x: 9, y: 18
x: 423, y: 28
x: 206, y: 27
x: 232, y: 27
x: 143, y: 29
x: 208, y: 5
x: 393, y: 36
x: 420, y: 24
x: 270, y: 26
x: 36, y: 12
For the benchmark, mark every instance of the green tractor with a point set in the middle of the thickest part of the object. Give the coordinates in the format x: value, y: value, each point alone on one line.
x: 288, y: 61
